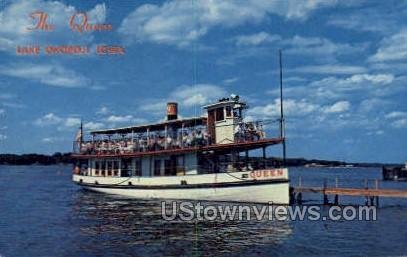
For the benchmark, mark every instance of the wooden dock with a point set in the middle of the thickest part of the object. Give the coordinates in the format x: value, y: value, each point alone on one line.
x: 371, y: 195
x: 352, y: 191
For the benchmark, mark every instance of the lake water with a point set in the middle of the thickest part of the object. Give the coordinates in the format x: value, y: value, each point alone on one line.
x: 42, y: 213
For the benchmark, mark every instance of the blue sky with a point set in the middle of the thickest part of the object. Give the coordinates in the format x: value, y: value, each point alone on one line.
x: 345, y: 71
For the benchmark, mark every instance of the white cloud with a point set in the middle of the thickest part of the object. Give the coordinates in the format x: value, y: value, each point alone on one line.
x: 383, y: 19
x: 13, y: 105
x: 6, y: 96
x: 374, y: 87
x: 103, y: 110
x: 187, y: 96
x: 319, y: 46
x: 119, y: 119
x: 292, y: 107
x: 373, y: 105
x: 15, y: 20
x: 72, y: 122
x: 375, y: 133
x: 401, y: 123
x: 115, y: 119
x: 65, y: 123
x: 3, y: 137
x: 197, y: 95
x: 332, y: 86
x: 60, y: 123
x: 48, y: 119
x: 329, y: 69
x: 93, y: 125
x: 382, y: 79
x: 154, y: 106
x: 398, y: 119
x: 179, y: 22
x: 50, y: 139
x: 230, y: 81
x: 392, y: 48
x: 337, y: 107
x: 2, y: 111
x: 52, y: 75
x: 396, y: 114
x: 256, y: 39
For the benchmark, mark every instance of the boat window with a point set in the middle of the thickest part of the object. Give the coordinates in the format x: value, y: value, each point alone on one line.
x: 236, y: 113
x: 228, y: 111
x: 219, y: 114
x: 97, y: 167
x: 137, y: 168
x: 157, y: 167
x: 169, y: 167
x: 180, y: 161
x: 125, y: 168
x: 115, y: 168
x: 103, y: 167
x: 109, y: 168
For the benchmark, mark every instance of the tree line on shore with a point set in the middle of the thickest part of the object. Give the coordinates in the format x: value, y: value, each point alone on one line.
x: 66, y: 158
x: 40, y: 159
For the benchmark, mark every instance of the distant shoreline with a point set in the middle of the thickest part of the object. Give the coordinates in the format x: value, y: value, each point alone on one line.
x: 66, y: 158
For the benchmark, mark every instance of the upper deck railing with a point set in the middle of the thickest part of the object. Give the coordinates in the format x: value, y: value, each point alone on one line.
x: 244, y: 132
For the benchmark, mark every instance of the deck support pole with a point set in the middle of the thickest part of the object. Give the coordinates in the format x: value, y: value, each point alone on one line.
x: 166, y: 136
x: 377, y: 201
x: 264, y: 156
x: 247, y: 159
x: 182, y: 135
x: 148, y: 138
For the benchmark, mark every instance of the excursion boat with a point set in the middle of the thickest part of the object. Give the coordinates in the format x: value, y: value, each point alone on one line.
x: 199, y: 158
x: 397, y: 173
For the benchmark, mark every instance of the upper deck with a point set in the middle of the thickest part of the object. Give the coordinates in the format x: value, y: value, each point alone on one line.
x: 221, y: 131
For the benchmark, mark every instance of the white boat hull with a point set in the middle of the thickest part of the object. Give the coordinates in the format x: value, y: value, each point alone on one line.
x: 269, y: 193
x: 211, y: 187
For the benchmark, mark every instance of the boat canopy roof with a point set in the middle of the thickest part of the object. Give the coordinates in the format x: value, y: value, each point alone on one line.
x: 175, y: 124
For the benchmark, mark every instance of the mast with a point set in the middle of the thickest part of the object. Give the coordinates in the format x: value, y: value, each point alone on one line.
x: 282, y: 128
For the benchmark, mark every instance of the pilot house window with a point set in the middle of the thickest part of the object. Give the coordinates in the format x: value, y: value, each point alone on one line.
x: 219, y: 114
x: 228, y: 111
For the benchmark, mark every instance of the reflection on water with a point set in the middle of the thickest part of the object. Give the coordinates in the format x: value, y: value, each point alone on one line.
x: 42, y: 213
x: 129, y: 222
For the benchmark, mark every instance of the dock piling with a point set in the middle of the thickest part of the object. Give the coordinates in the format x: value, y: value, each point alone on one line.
x: 366, y: 188
x: 326, y: 201
x: 336, y: 200
x: 377, y: 188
